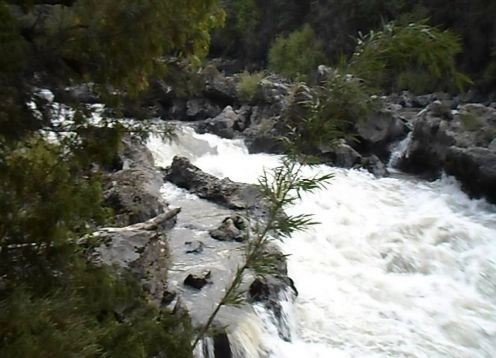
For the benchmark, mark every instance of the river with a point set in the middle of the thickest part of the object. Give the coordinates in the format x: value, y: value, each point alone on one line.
x: 397, y: 267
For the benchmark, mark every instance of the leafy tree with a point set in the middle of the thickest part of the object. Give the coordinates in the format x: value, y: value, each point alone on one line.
x: 297, y: 55
x: 53, y: 302
x: 382, y: 55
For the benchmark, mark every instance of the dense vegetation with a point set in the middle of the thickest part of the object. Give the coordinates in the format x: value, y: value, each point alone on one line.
x: 53, y: 301
x: 252, y: 26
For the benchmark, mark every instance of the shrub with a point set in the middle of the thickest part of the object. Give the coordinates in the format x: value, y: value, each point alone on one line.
x: 381, y: 56
x: 316, y: 118
x: 298, y: 55
x: 248, y: 83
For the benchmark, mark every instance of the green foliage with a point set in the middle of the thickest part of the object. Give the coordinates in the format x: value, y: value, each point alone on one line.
x: 297, y: 55
x: 382, y: 55
x: 316, y: 118
x: 248, y: 83
x: 54, y: 302
x: 281, y: 187
x: 417, y: 82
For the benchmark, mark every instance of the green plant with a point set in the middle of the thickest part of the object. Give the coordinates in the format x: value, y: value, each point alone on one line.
x: 297, y: 55
x: 317, y: 117
x: 381, y: 56
x: 248, y: 83
x: 280, y: 188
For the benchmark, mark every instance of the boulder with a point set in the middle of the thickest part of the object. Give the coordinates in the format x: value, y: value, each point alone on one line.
x: 141, y: 249
x: 459, y: 145
x: 194, y: 247
x: 201, y: 108
x: 224, y: 192
x: 198, y: 281
x: 231, y: 229
x: 380, y: 129
x: 475, y: 168
x: 375, y: 166
x: 221, y: 89
x: 342, y: 155
x: 222, y: 125
x: 133, y: 191
x: 272, y: 90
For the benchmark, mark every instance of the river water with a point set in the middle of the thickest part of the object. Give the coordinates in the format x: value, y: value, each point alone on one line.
x: 397, y: 267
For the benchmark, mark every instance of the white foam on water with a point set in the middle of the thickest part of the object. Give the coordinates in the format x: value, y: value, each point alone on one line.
x: 397, y: 267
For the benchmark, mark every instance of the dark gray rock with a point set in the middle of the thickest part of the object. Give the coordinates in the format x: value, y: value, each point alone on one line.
x: 200, y: 109
x: 141, y: 249
x: 221, y: 89
x: 380, y: 129
x: 198, y: 281
x: 222, y: 346
x: 194, y: 247
x: 231, y: 229
x: 260, y: 140
x: 133, y: 192
x: 222, y: 125
x: 167, y: 298
x: 224, y: 192
x: 342, y: 155
x: 272, y: 90
x: 475, y: 168
x: 375, y: 166
x: 457, y: 145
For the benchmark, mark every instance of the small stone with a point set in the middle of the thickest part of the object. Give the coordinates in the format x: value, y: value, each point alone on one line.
x: 168, y: 297
x: 197, y: 281
x: 194, y: 247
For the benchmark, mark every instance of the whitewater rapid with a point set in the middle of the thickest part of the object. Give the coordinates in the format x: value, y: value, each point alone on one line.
x: 398, y: 267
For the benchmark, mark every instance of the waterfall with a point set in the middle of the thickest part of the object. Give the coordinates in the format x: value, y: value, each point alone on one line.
x: 398, y: 150
x: 396, y: 268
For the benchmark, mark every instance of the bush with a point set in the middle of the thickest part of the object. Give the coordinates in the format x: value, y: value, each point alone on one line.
x: 381, y: 56
x: 248, y: 83
x: 316, y: 118
x: 298, y: 55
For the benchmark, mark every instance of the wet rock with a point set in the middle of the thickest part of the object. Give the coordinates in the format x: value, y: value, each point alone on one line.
x: 243, y: 119
x: 380, y: 129
x: 375, y: 166
x: 231, y: 229
x: 194, y: 247
x: 141, y: 249
x: 221, y: 89
x: 259, y: 140
x: 221, y: 191
x: 342, y: 155
x: 270, y: 291
x: 167, y: 298
x: 200, y: 109
x: 133, y: 191
x: 222, y: 125
x: 272, y: 90
x: 440, y: 109
x: 197, y: 281
x: 222, y: 346
x: 475, y: 168
x: 457, y: 145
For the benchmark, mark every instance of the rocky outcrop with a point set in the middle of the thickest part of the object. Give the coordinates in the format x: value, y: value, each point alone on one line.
x: 475, y: 168
x: 225, y: 192
x: 270, y: 290
x: 222, y: 125
x: 458, y: 143
x: 140, y: 249
x: 380, y: 129
x: 133, y: 189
